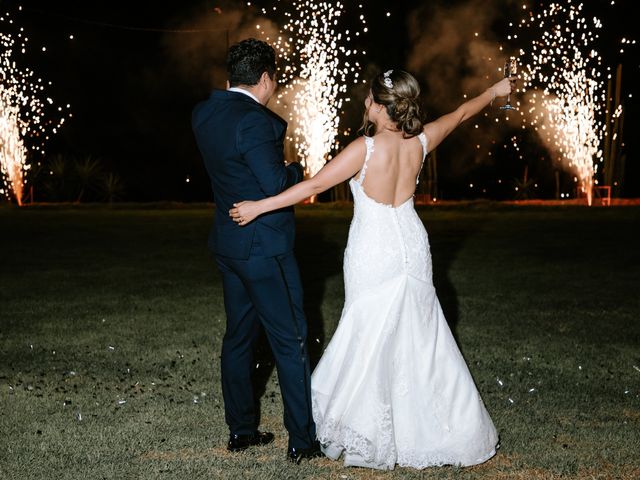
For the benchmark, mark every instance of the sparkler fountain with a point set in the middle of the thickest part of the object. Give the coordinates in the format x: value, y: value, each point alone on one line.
x: 316, y: 66
x: 12, y: 151
x: 23, y: 125
x: 566, y: 92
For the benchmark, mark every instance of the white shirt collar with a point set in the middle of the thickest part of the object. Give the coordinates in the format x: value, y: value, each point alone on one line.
x: 242, y: 90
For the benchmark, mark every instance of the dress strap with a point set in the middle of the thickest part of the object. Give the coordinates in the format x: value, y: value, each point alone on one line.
x: 369, y: 143
x: 423, y: 141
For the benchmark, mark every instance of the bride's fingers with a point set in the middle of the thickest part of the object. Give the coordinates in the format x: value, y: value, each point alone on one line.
x: 237, y: 217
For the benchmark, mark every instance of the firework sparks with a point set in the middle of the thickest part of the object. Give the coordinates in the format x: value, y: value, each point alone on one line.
x: 315, y: 68
x: 12, y: 151
x: 23, y: 126
x: 566, y: 90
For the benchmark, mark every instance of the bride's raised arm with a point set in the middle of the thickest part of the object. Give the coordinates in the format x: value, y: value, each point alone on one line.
x: 344, y: 166
x: 440, y: 128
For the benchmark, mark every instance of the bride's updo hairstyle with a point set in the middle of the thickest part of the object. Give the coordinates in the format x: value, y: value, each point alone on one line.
x: 398, y: 91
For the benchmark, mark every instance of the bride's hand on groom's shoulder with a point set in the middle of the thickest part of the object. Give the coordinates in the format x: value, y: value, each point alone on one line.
x: 244, y: 212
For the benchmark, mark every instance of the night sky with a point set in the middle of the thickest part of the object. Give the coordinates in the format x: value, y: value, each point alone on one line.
x: 134, y: 70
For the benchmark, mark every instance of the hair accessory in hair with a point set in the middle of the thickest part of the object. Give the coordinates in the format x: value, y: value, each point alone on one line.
x: 387, y: 79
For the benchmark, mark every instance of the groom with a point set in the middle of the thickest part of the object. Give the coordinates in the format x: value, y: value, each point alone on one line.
x: 241, y: 142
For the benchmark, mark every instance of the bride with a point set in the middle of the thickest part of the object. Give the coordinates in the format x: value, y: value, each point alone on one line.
x: 392, y: 387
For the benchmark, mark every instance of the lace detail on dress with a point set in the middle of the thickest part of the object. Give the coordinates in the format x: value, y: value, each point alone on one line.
x: 378, y: 452
x: 368, y: 141
x: 423, y: 141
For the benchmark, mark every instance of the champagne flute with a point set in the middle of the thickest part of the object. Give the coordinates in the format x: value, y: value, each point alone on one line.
x: 510, y: 69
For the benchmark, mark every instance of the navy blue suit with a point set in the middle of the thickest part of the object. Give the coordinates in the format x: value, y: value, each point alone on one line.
x: 241, y: 143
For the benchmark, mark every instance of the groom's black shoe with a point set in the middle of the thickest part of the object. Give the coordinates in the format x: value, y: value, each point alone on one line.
x: 237, y: 443
x: 296, y: 455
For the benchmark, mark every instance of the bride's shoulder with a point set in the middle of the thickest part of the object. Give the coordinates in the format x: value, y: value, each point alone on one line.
x: 355, y: 146
x: 359, y: 142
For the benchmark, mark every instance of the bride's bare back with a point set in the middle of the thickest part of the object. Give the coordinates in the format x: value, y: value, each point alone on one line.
x: 392, y: 168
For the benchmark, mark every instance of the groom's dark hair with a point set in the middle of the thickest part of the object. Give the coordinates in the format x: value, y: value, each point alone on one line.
x: 248, y: 60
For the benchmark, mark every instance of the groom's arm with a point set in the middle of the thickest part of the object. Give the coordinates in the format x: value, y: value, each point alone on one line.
x: 265, y: 159
x: 295, y: 174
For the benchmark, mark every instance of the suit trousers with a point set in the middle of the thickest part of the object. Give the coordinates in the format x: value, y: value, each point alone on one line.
x: 265, y: 291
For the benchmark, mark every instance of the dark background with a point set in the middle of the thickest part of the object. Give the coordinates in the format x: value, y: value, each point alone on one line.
x: 134, y: 70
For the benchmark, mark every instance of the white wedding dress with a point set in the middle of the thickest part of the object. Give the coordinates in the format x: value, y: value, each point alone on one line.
x: 392, y: 387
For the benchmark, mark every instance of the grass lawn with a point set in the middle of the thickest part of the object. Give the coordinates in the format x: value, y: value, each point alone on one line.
x: 111, y: 321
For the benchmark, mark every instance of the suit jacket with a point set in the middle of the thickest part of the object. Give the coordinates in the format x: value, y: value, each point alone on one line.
x: 242, y: 143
